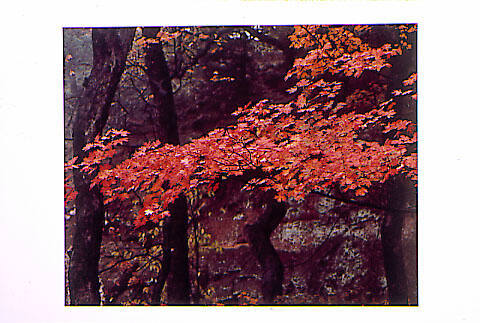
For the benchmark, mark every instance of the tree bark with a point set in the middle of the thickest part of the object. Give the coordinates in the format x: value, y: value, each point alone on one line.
x: 110, y: 49
x: 175, y: 240
x: 399, y: 191
x: 178, y: 283
x: 258, y: 235
x: 393, y: 259
x: 160, y: 84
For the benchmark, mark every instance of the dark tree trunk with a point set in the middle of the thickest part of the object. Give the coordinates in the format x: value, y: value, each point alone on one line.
x: 174, y: 270
x: 110, y: 49
x: 175, y: 244
x: 399, y: 191
x: 165, y: 115
x: 178, y: 283
x: 258, y: 235
x: 393, y: 259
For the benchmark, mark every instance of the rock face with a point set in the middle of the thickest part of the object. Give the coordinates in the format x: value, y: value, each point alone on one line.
x: 327, y: 259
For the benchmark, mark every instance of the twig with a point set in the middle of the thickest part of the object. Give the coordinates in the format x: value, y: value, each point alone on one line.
x: 321, y: 245
x: 364, y: 204
x: 121, y: 261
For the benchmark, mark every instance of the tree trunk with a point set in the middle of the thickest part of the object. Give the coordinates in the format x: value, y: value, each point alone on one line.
x: 178, y: 283
x: 399, y: 191
x: 160, y: 84
x: 175, y: 244
x: 258, y: 235
x: 110, y: 49
x: 393, y: 259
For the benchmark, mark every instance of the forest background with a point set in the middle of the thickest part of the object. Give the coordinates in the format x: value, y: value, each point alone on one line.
x: 36, y: 261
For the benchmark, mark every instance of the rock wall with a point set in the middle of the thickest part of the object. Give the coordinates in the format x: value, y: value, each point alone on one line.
x: 327, y: 259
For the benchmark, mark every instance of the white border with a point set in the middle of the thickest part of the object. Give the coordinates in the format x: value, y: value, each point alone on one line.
x: 31, y: 148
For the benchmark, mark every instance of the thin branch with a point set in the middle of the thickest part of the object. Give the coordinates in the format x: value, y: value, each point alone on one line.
x: 73, y: 98
x: 312, y: 35
x: 122, y: 106
x: 319, y: 248
x: 140, y: 92
x: 364, y: 204
x: 121, y: 261
x: 134, y: 76
x: 248, y: 160
x: 334, y: 46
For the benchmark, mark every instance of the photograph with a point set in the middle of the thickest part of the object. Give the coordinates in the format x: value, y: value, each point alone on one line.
x: 241, y: 165
x: 239, y: 161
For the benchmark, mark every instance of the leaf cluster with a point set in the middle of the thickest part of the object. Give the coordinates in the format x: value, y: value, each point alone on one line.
x: 328, y: 135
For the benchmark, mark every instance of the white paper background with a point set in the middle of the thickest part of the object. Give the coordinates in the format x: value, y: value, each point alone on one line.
x: 31, y: 153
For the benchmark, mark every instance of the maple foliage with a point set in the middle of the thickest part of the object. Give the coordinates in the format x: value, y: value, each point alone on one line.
x: 329, y: 135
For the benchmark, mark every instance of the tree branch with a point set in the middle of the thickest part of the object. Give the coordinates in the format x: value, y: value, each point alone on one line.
x: 364, y: 204
x: 122, y: 261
